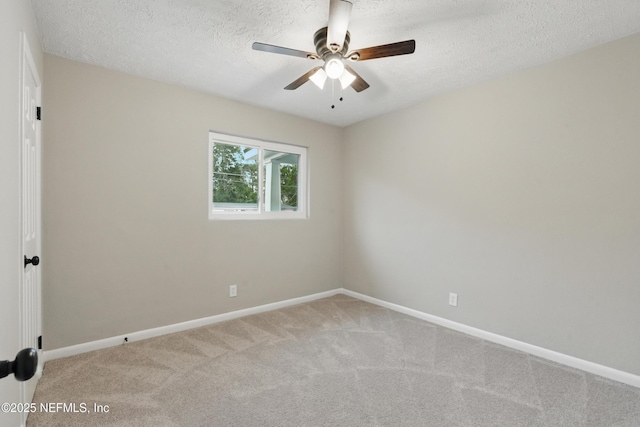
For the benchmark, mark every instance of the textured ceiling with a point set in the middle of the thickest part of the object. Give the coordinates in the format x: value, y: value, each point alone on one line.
x: 206, y: 44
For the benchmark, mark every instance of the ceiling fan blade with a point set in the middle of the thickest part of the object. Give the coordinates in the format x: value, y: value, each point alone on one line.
x: 302, y: 79
x: 359, y: 84
x: 339, y: 13
x: 283, y: 50
x: 382, y: 51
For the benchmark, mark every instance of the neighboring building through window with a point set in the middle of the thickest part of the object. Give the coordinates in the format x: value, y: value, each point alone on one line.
x: 250, y: 178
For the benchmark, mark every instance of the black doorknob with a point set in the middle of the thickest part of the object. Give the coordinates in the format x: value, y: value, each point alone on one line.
x: 35, y: 260
x: 23, y: 368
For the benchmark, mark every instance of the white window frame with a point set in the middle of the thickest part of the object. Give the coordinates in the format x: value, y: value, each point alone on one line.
x: 302, y: 211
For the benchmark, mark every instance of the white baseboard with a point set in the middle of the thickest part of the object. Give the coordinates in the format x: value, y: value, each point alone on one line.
x: 179, y: 327
x: 574, y: 362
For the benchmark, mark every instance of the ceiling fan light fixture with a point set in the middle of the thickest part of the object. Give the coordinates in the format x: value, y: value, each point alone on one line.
x: 319, y: 77
x: 346, y: 79
x: 332, y: 47
x: 334, y: 67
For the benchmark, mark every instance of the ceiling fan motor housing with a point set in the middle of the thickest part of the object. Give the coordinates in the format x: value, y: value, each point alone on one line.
x: 320, y: 40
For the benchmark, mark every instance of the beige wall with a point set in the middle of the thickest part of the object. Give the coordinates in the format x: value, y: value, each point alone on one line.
x: 521, y: 194
x: 126, y: 235
x: 15, y: 17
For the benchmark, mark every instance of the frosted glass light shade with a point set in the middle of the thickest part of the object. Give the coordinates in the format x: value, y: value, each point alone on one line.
x: 319, y: 77
x: 346, y: 79
x: 334, y: 68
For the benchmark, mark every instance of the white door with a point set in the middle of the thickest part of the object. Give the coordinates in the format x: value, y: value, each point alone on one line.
x: 30, y: 300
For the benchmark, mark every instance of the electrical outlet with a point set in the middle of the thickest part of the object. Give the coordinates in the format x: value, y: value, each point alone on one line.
x: 453, y: 299
x: 233, y: 291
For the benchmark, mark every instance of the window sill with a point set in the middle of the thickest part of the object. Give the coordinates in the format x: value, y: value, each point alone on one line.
x: 257, y: 216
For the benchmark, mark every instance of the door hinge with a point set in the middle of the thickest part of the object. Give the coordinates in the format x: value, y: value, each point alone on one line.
x: 40, y: 342
x: 38, y: 113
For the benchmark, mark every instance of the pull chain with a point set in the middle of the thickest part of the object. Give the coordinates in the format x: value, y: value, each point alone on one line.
x: 333, y: 105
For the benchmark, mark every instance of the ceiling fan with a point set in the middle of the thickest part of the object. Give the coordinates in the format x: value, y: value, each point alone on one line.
x: 332, y: 45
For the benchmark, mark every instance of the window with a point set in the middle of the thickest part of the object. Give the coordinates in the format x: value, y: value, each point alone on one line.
x: 252, y: 179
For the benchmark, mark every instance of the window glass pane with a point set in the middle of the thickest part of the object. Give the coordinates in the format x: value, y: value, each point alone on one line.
x: 235, y: 178
x: 280, y: 181
x: 256, y: 179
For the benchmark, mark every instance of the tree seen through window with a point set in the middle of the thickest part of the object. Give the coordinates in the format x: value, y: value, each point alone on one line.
x: 235, y: 178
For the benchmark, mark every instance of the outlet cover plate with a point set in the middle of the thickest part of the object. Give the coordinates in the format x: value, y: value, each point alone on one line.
x: 453, y: 299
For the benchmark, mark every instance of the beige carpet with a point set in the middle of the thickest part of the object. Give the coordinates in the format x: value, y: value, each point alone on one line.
x: 332, y: 362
